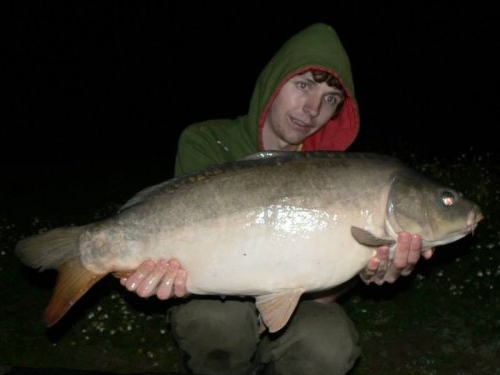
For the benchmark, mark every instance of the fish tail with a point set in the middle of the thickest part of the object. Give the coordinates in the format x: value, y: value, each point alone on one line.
x: 58, y: 249
x: 73, y: 281
x: 50, y: 249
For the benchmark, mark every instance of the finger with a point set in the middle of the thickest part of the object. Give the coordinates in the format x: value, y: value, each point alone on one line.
x: 133, y: 281
x: 403, y: 247
x: 378, y: 275
x: 390, y: 275
x: 369, y: 271
x: 387, y: 271
x: 149, y: 285
x: 376, y: 265
x: 415, y: 251
x: 180, y: 283
x: 427, y: 254
x: 372, y: 266
x: 166, y: 286
x: 383, y: 255
x: 180, y: 288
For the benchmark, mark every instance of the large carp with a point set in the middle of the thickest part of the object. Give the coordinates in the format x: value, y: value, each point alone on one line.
x: 273, y: 226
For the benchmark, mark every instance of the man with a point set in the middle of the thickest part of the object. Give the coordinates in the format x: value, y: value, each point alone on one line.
x: 303, y: 100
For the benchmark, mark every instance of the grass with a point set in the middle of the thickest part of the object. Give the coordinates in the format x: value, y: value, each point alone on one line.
x: 442, y: 319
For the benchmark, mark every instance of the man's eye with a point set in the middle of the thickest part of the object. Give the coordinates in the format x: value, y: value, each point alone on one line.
x: 302, y: 85
x: 332, y: 99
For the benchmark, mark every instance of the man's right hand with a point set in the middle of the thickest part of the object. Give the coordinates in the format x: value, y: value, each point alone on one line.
x: 165, y: 278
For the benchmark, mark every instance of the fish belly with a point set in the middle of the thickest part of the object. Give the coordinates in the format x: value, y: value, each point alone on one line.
x: 250, y: 253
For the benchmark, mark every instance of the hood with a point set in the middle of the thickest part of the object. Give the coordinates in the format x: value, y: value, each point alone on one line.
x: 316, y: 47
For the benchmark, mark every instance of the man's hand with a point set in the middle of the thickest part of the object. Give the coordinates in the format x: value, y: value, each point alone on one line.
x: 165, y: 278
x: 381, y: 269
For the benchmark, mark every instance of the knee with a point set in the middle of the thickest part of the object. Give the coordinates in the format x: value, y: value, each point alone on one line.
x: 321, y: 340
x: 324, y: 351
x: 210, y: 315
x: 215, y: 337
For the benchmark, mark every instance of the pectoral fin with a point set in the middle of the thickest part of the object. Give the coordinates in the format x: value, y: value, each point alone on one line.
x: 366, y: 238
x: 276, y: 309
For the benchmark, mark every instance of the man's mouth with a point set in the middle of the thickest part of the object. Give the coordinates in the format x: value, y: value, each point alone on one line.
x: 300, y: 124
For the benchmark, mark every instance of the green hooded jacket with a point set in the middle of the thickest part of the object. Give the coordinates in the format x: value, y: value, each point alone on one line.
x: 214, y: 142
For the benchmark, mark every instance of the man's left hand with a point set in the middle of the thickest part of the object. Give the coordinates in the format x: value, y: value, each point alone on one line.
x: 381, y: 269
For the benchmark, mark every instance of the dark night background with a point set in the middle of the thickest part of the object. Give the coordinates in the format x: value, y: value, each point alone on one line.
x: 94, y: 95
x: 84, y: 81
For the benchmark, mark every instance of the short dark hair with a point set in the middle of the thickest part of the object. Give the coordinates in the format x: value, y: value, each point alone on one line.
x: 321, y: 76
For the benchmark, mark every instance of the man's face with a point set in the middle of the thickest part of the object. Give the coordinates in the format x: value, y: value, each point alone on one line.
x: 301, y: 108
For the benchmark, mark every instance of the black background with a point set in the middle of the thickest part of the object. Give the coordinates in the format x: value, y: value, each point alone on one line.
x: 115, y: 80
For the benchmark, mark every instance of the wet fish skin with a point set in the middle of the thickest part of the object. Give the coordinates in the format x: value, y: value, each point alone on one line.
x: 273, y: 226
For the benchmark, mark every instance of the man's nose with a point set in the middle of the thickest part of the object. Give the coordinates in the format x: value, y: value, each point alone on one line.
x: 312, y: 106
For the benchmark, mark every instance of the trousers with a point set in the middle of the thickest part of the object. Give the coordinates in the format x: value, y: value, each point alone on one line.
x: 221, y: 337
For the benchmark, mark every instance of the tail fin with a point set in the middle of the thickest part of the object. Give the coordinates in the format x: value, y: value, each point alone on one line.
x: 73, y: 281
x: 58, y: 249
x: 50, y: 249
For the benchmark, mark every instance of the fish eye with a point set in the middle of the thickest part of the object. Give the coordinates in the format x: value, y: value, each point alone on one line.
x: 448, y: 198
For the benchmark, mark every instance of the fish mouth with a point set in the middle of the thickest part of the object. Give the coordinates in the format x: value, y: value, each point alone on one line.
x: 473, y: 219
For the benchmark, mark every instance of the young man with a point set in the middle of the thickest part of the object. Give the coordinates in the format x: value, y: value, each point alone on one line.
x: 303, y: 100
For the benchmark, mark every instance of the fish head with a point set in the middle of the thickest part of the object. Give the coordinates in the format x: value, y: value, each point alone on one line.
x: 438, y: 213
